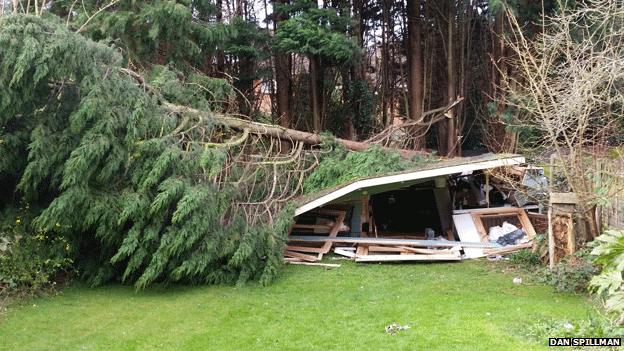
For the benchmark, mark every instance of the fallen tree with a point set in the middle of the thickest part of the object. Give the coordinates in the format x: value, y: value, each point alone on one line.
x: 283, y: 133
x: 146, y: 184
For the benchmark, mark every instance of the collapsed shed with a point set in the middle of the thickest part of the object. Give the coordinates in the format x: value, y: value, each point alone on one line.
x: 442, y: 211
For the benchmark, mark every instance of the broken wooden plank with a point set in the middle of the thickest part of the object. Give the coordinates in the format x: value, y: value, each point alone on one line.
x: 375, y: 248
x: 313, y: 226
x: 527, y: 225
x: 508, y: 249
x: 305, y: 249
x: 429, y: 251
x: 386, y: 241
x: 328, y: 265
x: 491, y: 210
x: 362, y: 250
x: 390, y: 258
x: 334, y: 232
x: 483, y: 234
x: 304, y: 257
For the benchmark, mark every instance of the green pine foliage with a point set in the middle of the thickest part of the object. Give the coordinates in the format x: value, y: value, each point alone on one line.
x: 340, y: 166
x: 177, y: 32
x: 99, y: 154
x: 319, y: 32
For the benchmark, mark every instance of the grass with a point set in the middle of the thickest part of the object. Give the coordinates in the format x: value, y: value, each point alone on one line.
x: 470, y: 305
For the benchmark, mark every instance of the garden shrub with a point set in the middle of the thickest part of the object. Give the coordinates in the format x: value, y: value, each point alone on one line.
x: 572, y: 274
x: 609, y: 254
x: 525, y: 257
x: 596, y: 326
x: 32, y: 262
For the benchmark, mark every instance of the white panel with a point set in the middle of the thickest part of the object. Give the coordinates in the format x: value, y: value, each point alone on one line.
x: 467, y: 231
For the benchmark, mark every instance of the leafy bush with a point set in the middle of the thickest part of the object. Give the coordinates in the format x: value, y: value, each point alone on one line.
x: 32, y: 262
x: 595, y: 325
x: 572, y: 274
x: 609, y: 252
x: 525, y: 257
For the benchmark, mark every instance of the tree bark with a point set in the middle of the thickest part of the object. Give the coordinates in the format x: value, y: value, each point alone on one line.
x: 283, y: 67
x: 315, y: 93
x: 451, y: 136
x: 281, y: 132
x: 415, y: 77
x: 415, y: 83
x: 220, y: 55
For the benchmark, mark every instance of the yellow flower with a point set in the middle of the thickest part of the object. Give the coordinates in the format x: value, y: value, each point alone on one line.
x: 18, y: 221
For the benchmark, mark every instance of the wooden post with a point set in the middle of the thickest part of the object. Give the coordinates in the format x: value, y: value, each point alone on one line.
x: 570, y: 235
x: 487, y: 189
x: 551, y: 238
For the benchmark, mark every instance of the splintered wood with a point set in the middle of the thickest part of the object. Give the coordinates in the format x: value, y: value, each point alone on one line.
x: 331, y: 222
x: 319, y: 232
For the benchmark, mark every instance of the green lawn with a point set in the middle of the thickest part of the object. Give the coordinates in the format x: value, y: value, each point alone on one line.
x: 449, y: 306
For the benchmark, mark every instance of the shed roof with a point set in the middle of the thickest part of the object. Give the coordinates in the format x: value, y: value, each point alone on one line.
x: 396, y: 180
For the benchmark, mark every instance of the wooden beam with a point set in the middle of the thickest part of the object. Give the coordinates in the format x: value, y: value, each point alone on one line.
x: 563, y: 198
x: 334, y: 232
x: 430, y: 251
x: 305, y: 249
x: 328, y: 265
x: 476, y: 218
x: 571, y: 247
x: 527, y: 225
x: 508, y: 249
x: 491, y: 210
x: 386, y: 241
x: 312, y: 226
x: 301, y: 256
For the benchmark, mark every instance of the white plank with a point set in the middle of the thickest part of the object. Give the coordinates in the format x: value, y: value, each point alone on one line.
x: 344, y: 252
x: 467, y: 231
x: 389, y: 258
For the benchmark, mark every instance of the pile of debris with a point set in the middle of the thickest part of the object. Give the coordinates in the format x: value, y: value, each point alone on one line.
x: 509, y: 230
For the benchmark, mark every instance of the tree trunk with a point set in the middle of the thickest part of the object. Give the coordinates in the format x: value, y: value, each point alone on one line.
x: 220, y: 55
x: 415, y: 82
x: 415, y: 78
x: 315, y: 93
x: 451, y: 135
x: 245, y: 85
x: 283, y: 66
x: 280, y: 132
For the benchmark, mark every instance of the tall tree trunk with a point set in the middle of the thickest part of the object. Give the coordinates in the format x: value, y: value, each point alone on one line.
x: 357, y: 71
x: 387, y: 63
x: 245, y: 85
x: 220, y: 54
x: 283, y: 67
x: 315, y: 93
x: 451, y: 136
x: 415, y: 80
